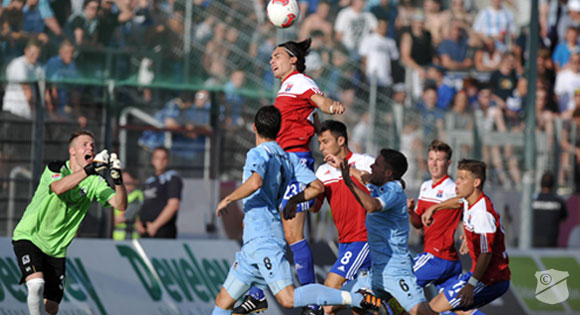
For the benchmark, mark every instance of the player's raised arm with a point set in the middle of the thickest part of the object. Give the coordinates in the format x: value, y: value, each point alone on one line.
x: 370, y: 204
x: 247, y: 188
x: 327, y: 105
x: 94, y: 165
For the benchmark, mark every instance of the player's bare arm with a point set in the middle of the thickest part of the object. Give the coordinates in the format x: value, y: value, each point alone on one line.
x: 327, y: 105
x: 247, y: 188
x: 68, y: 182
x: 414, y: 218
x: 369, y: 203
x: 313, y: 190
x: 466, y: 293
x: 427, y: 217
x: 119, y: 200
x: 91, y: 166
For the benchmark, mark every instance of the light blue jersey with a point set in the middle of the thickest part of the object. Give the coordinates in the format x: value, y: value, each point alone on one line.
x: 277, y: 168
x: 388, y: 230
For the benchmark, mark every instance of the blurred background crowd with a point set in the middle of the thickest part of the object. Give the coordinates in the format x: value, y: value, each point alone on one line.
x: 190, y: 74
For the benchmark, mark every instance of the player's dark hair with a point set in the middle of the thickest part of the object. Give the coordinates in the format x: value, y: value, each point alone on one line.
x: 78, y: 133
x: 477, y: 168
x: 299, y: 50
x: 162, y: 148
x: 440, y: 146
x: 268, y: 120
x: 547, y: 180
x: 396, y: 162
x: 336, y: 128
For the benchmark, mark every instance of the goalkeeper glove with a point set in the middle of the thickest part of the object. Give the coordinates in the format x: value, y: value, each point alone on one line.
x: 99, y: 164
x: 116, y: 169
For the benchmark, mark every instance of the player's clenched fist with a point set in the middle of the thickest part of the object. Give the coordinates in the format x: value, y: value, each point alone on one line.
x: 99, y: 163
x: 115, y: 165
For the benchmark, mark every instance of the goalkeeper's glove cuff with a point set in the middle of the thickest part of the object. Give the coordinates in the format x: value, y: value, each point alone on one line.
x: 90, y: 169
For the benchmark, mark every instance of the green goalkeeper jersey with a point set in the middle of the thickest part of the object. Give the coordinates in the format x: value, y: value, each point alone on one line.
x: 51, y: 221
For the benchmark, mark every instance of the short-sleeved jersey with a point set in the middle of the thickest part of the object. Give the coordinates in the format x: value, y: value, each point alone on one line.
x: 439, y: 236
x: 484, y: 234
x: 297, y: 111
x: 51, y: 221
x: 158, y: 190
x: 388, y: 229
x: 349, y: 216
x: 276, y: 168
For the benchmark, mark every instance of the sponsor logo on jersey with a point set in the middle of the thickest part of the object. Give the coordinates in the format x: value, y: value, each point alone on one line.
x: 440, y: 193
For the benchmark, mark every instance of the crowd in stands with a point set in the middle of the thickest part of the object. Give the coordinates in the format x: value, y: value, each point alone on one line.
x: 435, y: 57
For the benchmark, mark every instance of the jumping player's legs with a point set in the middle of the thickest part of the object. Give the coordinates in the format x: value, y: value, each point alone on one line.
x: 44, y: 277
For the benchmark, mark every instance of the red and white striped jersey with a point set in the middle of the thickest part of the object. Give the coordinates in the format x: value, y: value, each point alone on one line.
x: 484, y: 233
x: 439, y: 236
x: 349, y: 216
x: 297, y: 111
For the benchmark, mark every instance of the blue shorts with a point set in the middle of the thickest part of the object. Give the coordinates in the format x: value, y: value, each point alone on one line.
x: 482, y: 294
x: 431, y: 269
x: 402, y: 287
x: 294, y: 187
x: 260, y: 262
x: 351, y: 258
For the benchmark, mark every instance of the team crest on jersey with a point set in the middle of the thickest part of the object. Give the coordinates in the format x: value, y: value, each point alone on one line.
x: 289, y: 87
x: 439, y: 193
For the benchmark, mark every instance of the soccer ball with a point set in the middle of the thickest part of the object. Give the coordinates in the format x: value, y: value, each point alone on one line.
x: 283, y: 13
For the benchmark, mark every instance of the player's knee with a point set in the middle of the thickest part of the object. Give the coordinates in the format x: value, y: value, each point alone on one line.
x: 422, y: 309
x: 51, y: 307
x: 35, y: 289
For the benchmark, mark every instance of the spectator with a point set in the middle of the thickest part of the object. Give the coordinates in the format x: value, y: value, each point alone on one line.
x: 458, y: 13
x: 571, y: 151
x: 110, y: 17
x: 445, y: 91
x: 215, y: 54
x: 493, y: 120
x: 405, y: 12
x: 21, y: 93
x: 317, y: 21
x: 162, y: 196
x: 417, y: 51
x: 503, y: 81
x: 378, y: 52
x: 82, y: 26
x: 432, y: 116
x: 567, y: 81
x: 572, y: 19
x: 62, y: 97
x: 234, y: 99
x: 386, y: 10
x: 514, y: 109
x: 496, y: 23
x: 318, y: 56
x: 549, y: 211
x: 471, y: 87
x: 433, y: 20
x: 125, y: 226
x: 453, y: 49
x: 352, y: 24
x: 46, y: 14
x: 33, y: 22
x: 339, y: 66
x: 487, y: 58
x: 566, y: 48
x: 462, y: 116
x: 545, y: 117
x: 11, y: 23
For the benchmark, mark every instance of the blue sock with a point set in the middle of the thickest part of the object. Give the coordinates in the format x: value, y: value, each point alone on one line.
x: 256, y: 293
x: 321, y: 295
x: 220, y: 311
x: 303, y: 262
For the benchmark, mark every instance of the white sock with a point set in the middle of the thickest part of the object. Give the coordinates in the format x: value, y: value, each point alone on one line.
x: 35, y: 296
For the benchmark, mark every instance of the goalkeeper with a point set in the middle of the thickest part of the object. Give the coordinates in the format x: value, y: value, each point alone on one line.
x: 52, y: 218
